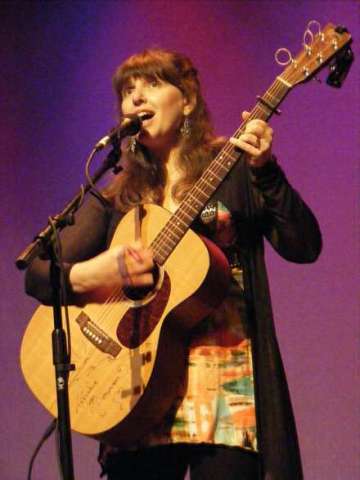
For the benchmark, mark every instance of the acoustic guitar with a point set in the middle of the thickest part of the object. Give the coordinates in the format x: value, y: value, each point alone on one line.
x: 130, y: 350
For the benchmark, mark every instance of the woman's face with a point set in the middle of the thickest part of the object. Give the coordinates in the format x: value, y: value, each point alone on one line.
x: 165, y: 106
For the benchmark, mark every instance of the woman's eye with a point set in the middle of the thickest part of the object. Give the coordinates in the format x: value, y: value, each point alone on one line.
x: 154, y: 83
x: 127, y: 90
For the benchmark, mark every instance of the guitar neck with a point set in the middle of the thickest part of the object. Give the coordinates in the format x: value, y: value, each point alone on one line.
x: 213, y: 176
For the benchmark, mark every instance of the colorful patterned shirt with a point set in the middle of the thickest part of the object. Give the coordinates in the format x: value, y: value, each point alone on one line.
x: 218, y: 406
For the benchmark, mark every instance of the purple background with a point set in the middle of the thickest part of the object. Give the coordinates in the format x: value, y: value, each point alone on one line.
x: 56, y: 101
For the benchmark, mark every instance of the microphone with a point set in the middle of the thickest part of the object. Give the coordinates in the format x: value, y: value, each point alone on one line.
x: 129, y: 125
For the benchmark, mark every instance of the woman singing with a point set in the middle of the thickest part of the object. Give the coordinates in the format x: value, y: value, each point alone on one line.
x: 230, y: 417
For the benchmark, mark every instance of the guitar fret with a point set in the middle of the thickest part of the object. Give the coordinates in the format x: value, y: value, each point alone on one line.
x: 214, y: 174
x: 175, y: 225
x: 201, y: 192
x: 188, y: 219
x: 169, y: 237
x: 178, y: 225
x: 287, y: 84
x: 193, y: 210
x: 165, y: 246
x: 272, y: 95
x: 208, y: 183
x: 222, y: 170
x: 229, y: 156
x: 228, y: 166
x: 160, y: 259
x: 196, y: 196
x: 205, y: 187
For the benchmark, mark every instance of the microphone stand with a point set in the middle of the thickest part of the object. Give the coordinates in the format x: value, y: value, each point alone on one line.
x: 45, y: 241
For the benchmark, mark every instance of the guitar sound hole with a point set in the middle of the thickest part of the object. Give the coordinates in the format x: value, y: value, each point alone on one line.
x: 139, y: 293
x: 138, y: 323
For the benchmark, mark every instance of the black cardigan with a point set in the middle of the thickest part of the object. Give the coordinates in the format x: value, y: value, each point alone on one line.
x: 262, y: 203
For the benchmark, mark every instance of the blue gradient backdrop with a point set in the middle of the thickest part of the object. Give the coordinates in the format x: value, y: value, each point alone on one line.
x: 57, y: 59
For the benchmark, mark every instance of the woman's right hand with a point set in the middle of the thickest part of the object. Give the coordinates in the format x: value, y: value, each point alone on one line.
x: 120, y: 266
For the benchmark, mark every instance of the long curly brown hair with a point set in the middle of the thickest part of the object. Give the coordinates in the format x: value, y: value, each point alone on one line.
x: 142, y: 179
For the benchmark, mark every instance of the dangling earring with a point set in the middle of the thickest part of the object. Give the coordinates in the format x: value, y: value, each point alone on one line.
x: 132, y: 145
x: 186, y: 127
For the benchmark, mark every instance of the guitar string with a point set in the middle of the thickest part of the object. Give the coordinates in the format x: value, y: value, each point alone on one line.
x: 106, y: 308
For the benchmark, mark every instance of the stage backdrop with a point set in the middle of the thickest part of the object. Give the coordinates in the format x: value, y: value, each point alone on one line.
x: 57, y: 59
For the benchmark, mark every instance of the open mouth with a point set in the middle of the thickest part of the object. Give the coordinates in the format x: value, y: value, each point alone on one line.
x: 145, y: 116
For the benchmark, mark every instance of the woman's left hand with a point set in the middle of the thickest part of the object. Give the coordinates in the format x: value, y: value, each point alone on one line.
x: 255, y: 141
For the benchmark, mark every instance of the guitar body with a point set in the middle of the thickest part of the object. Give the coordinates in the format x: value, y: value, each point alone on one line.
x: 130, y: 355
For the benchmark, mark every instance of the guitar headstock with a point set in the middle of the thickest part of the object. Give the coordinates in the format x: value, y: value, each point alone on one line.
x: 320, y: 48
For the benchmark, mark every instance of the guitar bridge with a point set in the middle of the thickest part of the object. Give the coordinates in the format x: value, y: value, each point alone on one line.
x: 96, y: 336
